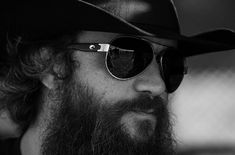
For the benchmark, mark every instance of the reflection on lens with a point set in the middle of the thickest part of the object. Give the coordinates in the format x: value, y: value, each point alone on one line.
x: 120, y: 62
x: 128, y: 57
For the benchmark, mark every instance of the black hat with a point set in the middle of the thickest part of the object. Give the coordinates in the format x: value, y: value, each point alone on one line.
x: 37, y: 20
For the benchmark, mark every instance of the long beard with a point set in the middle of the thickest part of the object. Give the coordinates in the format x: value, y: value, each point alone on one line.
x: 81, y: 126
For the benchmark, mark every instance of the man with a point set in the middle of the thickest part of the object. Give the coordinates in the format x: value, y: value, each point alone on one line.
x: 93, y: 77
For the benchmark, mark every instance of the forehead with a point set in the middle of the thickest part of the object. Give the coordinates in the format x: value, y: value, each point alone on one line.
x: 106, y: 37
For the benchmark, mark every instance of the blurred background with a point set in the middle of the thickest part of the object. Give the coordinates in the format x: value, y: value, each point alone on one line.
x: 204, y: 105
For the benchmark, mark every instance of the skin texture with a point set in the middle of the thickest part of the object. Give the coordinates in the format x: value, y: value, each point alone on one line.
x: 138, y: 126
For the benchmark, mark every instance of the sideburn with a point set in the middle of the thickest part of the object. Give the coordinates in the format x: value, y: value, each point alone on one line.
x: 69, y: 131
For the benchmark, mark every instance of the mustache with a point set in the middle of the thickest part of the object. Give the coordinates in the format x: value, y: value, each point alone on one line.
x: 141, y: 104
x: 108, y: 116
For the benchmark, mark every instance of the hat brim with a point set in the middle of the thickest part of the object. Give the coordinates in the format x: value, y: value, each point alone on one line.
x: 202, y: 43
x: 207, y: 42
x: 40, y: 20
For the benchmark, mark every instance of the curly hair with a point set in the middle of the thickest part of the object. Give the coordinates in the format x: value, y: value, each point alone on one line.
x: 26, y: 63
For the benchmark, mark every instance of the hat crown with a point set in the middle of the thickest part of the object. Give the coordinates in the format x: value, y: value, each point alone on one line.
x: 150, y: 15
x: 40, y: 19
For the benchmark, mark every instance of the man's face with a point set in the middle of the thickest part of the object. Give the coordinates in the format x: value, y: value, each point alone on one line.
x: 98, y: 114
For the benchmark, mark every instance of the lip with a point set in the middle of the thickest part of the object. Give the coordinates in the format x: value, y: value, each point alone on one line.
x: 149, y: 111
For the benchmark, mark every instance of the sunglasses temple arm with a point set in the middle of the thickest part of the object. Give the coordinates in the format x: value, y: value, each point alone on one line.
x: 96, y: 47
x: 90, y: 47
x: 104, y: 48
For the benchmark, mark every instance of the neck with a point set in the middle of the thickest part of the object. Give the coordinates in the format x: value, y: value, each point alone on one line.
x: 31, y: 142
x: 32, y: 139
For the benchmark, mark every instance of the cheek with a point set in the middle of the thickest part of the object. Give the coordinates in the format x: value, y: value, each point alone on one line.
x: 92, y: 72
x: 106, y: 87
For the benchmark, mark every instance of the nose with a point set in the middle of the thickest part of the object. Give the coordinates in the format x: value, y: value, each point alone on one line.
x: 150, y: 81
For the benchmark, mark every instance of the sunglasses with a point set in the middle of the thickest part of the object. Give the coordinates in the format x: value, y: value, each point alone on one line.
x: 127, y: 57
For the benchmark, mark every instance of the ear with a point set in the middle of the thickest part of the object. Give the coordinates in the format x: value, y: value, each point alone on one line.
x: 8, y: 127
x: 3, y: 114
x: 49, y: 81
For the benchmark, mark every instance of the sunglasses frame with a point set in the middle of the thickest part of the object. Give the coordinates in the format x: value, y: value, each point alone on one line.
x: 104, y: 48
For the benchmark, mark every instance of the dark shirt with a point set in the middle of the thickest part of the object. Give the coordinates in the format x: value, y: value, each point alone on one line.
x: 10, y: 146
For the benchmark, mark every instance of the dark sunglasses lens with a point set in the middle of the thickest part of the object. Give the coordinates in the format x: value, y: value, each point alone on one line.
x: 173, y: 69
x: 128, y: 57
